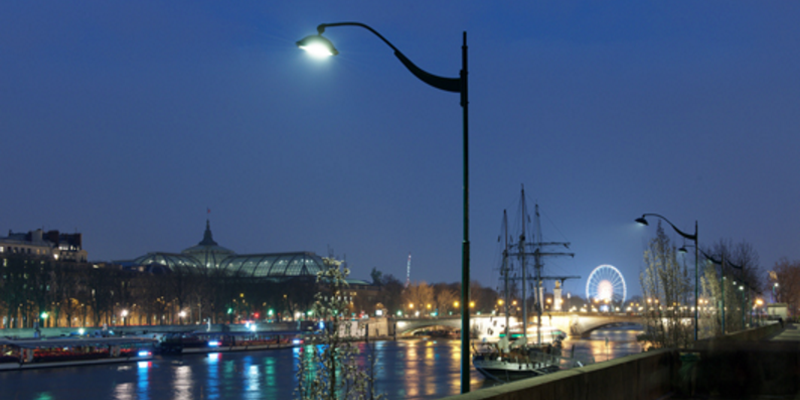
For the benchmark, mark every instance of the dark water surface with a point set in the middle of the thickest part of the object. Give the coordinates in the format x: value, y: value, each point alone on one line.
x: 408, y: 369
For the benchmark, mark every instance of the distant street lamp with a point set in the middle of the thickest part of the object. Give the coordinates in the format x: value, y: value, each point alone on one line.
x: 759, y: 309
x: 643, y: 221
x: 774, y: 292
x: 322, y: 47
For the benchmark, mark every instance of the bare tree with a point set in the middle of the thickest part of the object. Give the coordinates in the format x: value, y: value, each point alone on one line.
x: 787, y: 276
x: 417, y: 297
x: 667, y: 288
x: 445, y: 298
x: 67, y: 287
x: 391, y: 293
x: 739, y: 277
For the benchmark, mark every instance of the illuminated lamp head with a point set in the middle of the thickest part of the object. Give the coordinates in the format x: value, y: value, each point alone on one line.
x: 317, y: 46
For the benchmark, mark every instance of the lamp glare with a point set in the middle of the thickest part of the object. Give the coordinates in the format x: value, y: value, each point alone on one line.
x: 317, y: 46
x: 317, y: 50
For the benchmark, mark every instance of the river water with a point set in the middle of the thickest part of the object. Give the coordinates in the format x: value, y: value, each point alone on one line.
x: 406, y: 369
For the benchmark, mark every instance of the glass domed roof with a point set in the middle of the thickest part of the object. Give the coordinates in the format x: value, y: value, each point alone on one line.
x: 172, y: 261
x: 208, y: 252
x: 276, y: 265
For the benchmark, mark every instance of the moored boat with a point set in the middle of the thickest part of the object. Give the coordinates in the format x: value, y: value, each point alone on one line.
x: 212, y: 342
x: 503, y: 362
x: 67, y: 352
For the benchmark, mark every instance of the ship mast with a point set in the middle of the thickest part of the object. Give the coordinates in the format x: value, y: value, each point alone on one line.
x: 504, y: 271
x: 524, y: 275
x: 535, y: 248
x: 537, y: 257
x: 538, y: 253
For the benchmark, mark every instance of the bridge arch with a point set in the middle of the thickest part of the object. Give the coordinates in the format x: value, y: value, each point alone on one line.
x: 409, y: 327
x: 573, y: 324
x: 587, y: 333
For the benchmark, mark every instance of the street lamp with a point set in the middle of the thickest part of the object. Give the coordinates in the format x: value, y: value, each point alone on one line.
x: 643, y: 221
x: 774, y: 292
x: 759, y: 309
x: 322, y: 47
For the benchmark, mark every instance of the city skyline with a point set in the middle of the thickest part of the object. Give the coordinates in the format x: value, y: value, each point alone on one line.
x: 127, y: 122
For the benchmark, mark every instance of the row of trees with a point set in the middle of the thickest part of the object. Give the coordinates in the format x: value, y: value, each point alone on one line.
x: 730, y: 279
x: 77, y: 294
x: 439, y: 298
x: 52, y: 293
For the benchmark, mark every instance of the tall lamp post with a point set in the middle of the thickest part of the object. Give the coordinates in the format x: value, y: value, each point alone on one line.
x: 320, y: 46
x: 643, y: 221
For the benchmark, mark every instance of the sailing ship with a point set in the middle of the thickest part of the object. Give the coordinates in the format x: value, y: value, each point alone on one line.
x: 506, y: 360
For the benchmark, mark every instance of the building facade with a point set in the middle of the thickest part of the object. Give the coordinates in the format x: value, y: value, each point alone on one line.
x: 51, y: 244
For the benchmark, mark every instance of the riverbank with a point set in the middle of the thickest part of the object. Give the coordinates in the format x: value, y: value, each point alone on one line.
x: 141, y: 330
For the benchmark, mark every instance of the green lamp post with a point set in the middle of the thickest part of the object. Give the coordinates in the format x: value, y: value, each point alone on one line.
x: 320, y: 46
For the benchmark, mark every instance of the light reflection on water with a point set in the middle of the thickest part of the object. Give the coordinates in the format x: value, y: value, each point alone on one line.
x: 408, y: 369
x: 183, y: 383
x: 123, y: 391
x: 212, y: 380
x: 143, y: 371
x: 607, y: 344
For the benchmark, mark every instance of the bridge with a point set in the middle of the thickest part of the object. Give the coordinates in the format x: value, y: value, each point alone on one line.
x: 573, y: 324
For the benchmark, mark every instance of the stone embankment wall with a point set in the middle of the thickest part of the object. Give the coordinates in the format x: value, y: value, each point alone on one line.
x: 645, y: 376
x: 750, y: 334
x: 750, y: 366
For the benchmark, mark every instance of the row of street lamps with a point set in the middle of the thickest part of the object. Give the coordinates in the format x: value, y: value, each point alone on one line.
x: 694, y: 237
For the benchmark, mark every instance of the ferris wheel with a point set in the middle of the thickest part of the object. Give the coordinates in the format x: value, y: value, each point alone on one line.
x: 606, y: 284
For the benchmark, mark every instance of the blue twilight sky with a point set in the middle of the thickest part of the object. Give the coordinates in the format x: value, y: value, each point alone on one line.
x: 127, y: 120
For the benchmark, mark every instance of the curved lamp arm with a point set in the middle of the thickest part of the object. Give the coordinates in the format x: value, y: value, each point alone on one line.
x: 719, y: 262
x: 316, y: 44
x: 642, y: 220
x: 447, y: 84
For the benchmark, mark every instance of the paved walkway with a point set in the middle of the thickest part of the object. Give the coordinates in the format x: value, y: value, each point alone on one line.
x: 790, y: 334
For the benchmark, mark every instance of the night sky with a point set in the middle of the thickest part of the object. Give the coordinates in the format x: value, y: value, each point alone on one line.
x: 128, y: 120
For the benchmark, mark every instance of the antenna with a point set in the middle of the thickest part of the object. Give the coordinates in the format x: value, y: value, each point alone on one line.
x: 408, y: 270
